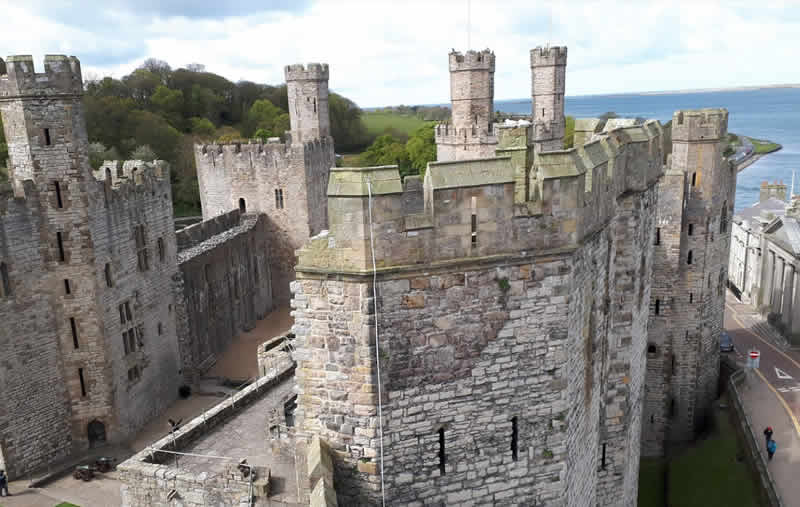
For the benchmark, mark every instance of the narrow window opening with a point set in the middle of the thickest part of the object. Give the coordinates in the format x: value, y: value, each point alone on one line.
x: 128, y: 311
x: 603, y: 458
x: 514, y: 436
x: 160, y: 245
x: 67, y: 288
x: 651, y: 349
x: 542, y: 112
x: 691, y: 229
x: 5, y: 283
x: 121, y: 314
x: 59, y: 202
x: 694, y: 179
x: 672, y: 407
x: 672, y: 364
x: 658, y: 307
x: 691, y: 297
x: 160, y: 329
x: 689, y: 258
x: 652, y: 419
x: 74, y: 327
x: 315, y: 105
x: 109, y: 283
x: 140, y: 236
x: 60, y: 240
x: 280, y: 194
x: 47, y: 140
x: 658, y: 236
x: 474, y: 230
x: 83, y: 383
x: 442, y: 456
x: 723, y: 219
x: 242, y: 205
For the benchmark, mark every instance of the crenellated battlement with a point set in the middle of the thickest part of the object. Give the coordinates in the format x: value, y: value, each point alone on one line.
x: 137, y: 172
x: 445, y: 133
x: 308, y: 72
x: 548, y: 56
x: 569, y: 194
x: 472, y: 60
x: 701, y: 124
x: 61, y: 76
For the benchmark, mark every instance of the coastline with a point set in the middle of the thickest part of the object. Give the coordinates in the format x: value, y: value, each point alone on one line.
x: 744, y: 164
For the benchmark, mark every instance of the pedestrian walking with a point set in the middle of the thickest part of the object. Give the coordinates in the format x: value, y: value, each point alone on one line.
x: 4, y: 484
x: 768, y: 433
x: 771, y: 448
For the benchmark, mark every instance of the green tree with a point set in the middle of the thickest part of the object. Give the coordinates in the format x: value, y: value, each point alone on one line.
x: 142, y: 84
x: 202, y: 128
x: 386, y: 150
x: 421, y: 148
x: 569, y: 132
x: 265, y: 116
x: 169, y: 103
x: 153, y: 130
x: 347, y: 127
x: 143, y: 152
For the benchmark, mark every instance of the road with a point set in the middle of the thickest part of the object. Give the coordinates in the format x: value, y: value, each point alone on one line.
x: 779, y: 368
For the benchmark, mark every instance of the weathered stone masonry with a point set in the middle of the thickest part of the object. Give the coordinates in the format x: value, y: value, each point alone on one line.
x: 89, y: 342
x: 284, y: 181
x: 527, y: 330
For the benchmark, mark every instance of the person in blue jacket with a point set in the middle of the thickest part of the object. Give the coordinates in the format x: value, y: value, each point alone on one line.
x: 4, y: 484
x: 771, y: 448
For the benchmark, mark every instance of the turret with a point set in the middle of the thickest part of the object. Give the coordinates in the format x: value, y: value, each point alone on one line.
x: 307, y: 89
x: 548, y: 69
x: 469, y: 133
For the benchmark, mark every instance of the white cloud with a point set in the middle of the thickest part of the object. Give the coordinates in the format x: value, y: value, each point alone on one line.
x: 392, y: 52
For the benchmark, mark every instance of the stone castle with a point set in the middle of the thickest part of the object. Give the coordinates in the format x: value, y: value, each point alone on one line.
x: 517, y: 327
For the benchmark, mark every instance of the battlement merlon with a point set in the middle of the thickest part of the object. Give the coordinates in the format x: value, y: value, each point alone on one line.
x: 309, y: 72
x: 548, y: 56
x: 699, y: 125
x: 471, y: 60
x: 62, y: 76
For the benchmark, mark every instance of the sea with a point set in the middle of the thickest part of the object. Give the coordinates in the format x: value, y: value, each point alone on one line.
x: 769, y: 113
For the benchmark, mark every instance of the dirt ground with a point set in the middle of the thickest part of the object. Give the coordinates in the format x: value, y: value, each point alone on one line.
x: 240, y: 361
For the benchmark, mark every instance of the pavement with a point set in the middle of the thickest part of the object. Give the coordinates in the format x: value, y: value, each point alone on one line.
x: 770, y: 393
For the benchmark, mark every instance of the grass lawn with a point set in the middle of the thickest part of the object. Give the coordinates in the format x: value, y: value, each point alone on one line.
x: 378, y: 123
x: 708, y: 475
x: 651, y: 482
x: 764, y: 146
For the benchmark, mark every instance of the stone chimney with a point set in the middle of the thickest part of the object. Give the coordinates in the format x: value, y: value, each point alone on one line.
x: 776, y: 190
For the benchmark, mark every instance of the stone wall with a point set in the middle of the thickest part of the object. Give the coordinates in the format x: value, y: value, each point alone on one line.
x: 223, y: 288
x: 30, y: 367
x: 511, y: 326
x: 137, y: 277
x: 149, y: 476
x: 285, y: 181
x: 88, y: 258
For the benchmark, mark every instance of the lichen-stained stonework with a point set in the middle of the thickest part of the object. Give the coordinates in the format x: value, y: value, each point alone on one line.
x: 511, y: 325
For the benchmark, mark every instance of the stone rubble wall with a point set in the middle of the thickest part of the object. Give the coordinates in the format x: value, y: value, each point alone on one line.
x: 223, y: 288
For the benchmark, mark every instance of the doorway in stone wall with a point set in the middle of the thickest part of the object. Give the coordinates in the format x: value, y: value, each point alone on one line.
x: 97, y: 433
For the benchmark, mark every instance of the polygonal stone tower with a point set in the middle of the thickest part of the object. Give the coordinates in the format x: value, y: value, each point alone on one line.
x: 68, y: 384
x: 307, y: 89
x: 688, y: 289
x: 548, y: 69
x: 470, y: 133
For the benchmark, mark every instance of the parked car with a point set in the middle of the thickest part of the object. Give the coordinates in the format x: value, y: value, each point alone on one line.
x: 725, y: 342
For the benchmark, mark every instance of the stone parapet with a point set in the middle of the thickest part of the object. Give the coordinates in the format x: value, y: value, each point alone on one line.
x: 308, y: 72
x: 472, y: 60
x: 62, y: 76
x: 547, y: 56
x: 699, y: 125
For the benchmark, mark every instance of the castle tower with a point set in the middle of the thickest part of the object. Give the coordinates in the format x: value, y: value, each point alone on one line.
x: 47, y: 141
x: 470, y: 133
x: 88, y: 334
x: 307, y: 89
x: 688, y: 288
x: 548, y: 69
x: 285, y: 181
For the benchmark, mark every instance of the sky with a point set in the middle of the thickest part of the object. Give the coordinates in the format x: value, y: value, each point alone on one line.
x: 385, y: 52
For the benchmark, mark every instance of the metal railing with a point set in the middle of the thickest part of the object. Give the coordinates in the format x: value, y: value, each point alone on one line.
x: 753, y: 441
